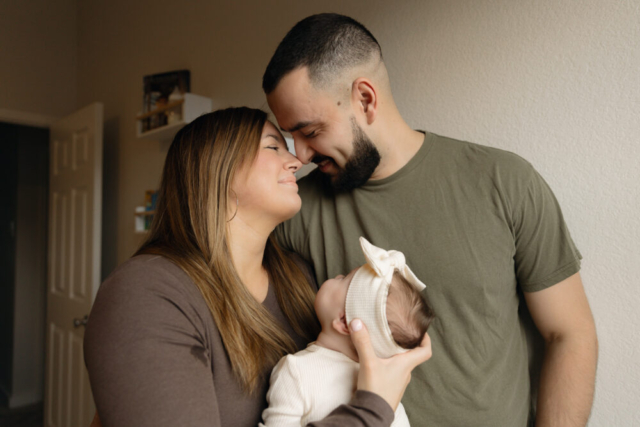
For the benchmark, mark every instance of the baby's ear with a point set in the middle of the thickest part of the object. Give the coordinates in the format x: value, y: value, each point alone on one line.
x: 340, y: 325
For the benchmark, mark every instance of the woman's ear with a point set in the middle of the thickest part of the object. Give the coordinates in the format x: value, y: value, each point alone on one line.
x: 365, y: 98
x: 340, y: 325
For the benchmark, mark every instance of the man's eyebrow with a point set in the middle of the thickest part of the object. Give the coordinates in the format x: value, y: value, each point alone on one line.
x: 298, y: 126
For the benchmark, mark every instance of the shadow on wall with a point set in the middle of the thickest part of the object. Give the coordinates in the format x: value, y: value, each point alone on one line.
x: 110, y: 181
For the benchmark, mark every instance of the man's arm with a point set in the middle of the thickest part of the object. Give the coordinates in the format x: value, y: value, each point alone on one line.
x: 563, y: 317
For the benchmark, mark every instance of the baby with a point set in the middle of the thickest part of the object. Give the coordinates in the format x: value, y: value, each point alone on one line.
x: 385, y: 294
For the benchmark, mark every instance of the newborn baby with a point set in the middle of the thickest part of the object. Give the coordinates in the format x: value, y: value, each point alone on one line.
x: 385, y: 294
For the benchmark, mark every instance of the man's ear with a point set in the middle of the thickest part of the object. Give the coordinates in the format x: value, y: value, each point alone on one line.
x: 340, y: 325
x: 365, y: 98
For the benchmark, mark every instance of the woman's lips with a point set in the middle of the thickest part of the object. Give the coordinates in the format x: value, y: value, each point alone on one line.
x: 291, y: 180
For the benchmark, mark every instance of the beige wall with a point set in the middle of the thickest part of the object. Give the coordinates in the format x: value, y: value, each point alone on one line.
x: 556, y: 82
x: 38, y: 51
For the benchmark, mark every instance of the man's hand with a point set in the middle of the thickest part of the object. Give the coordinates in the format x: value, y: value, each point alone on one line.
x: 387, y: 378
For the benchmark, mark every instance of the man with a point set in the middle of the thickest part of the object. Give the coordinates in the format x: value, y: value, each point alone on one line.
x: 479, y: 225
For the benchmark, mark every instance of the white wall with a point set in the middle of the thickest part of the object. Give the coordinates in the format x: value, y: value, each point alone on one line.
x: 554, y: 81
x: 558, y: 83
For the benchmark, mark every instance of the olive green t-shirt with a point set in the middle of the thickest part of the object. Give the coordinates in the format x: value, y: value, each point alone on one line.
x: 475, y: 224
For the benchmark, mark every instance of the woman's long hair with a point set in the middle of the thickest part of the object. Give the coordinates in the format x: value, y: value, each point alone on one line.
x: 190, y: 229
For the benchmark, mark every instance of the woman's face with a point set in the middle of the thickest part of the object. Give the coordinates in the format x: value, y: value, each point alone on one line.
x: 266, y: 188
x: 332, y: 296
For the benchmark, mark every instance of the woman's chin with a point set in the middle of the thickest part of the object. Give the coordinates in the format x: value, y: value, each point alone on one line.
x: 292, y: 210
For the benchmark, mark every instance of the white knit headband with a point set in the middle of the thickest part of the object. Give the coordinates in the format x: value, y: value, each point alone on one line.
x: 367, y: 295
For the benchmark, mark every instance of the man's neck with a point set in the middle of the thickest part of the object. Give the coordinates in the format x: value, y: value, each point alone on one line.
x: 337, y: 342
x: 397, y: 145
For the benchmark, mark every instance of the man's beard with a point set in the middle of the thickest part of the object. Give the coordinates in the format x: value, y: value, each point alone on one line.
x: 361, y: 164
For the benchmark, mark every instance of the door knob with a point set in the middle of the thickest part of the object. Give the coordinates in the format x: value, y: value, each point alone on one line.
x: 80, y: 322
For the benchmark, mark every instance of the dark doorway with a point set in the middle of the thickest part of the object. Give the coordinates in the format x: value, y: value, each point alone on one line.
x: 24, y: 191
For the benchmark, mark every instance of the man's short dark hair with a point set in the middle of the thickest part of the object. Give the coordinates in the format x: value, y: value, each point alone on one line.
x: 327, y: 43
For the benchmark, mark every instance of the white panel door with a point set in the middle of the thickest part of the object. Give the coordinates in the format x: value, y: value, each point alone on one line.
x: 75, y: 221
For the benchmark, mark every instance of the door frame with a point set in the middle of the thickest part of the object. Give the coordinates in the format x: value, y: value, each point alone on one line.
x: 26, y: 118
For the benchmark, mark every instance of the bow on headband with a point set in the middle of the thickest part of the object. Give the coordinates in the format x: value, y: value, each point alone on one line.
x: 384, y: 263
x: 368, y: 291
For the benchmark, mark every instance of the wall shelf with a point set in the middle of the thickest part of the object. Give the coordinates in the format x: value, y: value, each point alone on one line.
x: 190, y: 107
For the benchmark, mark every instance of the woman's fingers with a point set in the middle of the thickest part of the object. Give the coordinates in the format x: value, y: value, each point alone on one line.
x: 420, y: 354
x: 362, y: 341
x: 388, y: 378
x: 369, y: 377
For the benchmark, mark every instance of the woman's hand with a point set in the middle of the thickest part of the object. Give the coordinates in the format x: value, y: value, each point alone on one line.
x: 387, y: 378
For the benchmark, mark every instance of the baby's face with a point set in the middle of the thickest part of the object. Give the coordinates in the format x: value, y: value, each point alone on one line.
x: 332, y: 296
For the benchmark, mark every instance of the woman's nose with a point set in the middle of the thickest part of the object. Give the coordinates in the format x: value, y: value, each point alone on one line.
x: 293, y: 163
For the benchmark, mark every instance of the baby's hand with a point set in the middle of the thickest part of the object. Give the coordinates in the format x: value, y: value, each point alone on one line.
x: 388, y: 378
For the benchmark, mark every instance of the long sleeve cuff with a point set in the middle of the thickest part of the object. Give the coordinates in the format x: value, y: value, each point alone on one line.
x: 366, y: 409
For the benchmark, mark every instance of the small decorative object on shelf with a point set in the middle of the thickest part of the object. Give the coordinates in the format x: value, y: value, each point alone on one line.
x: 144, y: 214
x: 168, y: 105
x: 187, y: 109
x: 174, y: 114
x: 157, y: 91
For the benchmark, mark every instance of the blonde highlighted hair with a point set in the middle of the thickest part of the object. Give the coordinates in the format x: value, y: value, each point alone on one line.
x: 190, y: 229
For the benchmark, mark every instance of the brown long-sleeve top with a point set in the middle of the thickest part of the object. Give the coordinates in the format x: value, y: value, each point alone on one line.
x: 155, y: 357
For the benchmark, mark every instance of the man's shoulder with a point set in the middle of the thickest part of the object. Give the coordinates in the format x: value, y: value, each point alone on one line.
x: 476, y: 157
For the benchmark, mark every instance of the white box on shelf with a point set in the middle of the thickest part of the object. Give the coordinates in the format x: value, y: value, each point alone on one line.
x: 140, y: 219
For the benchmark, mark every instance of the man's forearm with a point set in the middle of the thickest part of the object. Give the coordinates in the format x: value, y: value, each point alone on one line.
x: 567, y: 382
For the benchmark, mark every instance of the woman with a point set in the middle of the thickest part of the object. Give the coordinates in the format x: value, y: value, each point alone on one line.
x: 187, y: 331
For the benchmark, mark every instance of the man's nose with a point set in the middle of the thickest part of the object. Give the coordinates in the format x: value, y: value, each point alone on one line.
x: 304, y: 153
x: 293, y: 163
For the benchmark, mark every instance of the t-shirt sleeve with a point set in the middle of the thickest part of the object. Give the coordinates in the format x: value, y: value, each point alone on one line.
x: 545, y: 252
x: 285, y: 400
x: 146, y: 355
